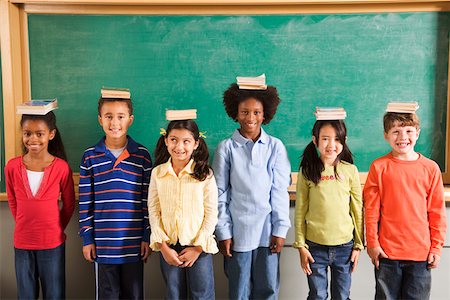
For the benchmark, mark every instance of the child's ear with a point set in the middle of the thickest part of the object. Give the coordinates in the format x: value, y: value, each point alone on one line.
x: 418, y: 132
x: 52, y: 134
x: 131, y: 119
x: 100, y: 120
x: 314, y: 140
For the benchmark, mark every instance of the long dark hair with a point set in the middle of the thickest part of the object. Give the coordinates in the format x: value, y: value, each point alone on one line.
x: 55, y: 146
x: 311, y: 164
x: 200, y: 155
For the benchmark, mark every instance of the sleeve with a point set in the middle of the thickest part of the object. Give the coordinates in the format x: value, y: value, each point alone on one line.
x: 436, y: 213
x: 221, y: 167
x: 67, y: 197
x: 356, y: 210
x: 10, y: 190
x: 301, y: 208
x: 205, y: 236
x: 279, y: 196
x: 372, y: 206
x: 157, y: 234
x: 145, y: 184
x: 86, y: 203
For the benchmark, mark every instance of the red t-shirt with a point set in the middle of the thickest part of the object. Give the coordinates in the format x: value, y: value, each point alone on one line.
x: 40, y: 222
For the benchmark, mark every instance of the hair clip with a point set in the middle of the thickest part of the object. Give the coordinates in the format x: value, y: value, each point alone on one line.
x: 162, y: 131
x: 202, y: 134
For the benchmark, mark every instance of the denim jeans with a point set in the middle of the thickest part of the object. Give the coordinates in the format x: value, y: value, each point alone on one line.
x: 402, y: 279
x: 196, y: 282
x: 46, y: 266
x: 253, y: 274
x: 338, y: 259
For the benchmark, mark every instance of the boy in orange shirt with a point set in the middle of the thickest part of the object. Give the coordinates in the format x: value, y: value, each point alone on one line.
x: 404, y: 213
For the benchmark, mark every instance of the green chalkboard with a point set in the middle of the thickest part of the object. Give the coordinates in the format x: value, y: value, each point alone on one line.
x: 358, y: 61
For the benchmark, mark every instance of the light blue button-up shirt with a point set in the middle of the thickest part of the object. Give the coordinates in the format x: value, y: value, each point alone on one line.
x: 253, y: 179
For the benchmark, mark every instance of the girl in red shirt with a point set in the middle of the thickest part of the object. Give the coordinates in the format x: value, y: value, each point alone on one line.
x: 34, y: 184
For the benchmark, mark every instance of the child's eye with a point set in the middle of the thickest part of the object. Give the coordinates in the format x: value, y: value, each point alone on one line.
x: 244, y: 112
x: 39, y: 134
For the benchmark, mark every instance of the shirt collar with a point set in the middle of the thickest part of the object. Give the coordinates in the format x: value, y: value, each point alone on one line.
x: 167, y: 168
x: 241, y: 140
x: 132, y: 146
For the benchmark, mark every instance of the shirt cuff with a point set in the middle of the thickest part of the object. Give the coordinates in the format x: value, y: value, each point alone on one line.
x: 280, y: 231
x: 208, y: 243
x: 88, y: 240
x: 157, y: 236
x: 224, y: 233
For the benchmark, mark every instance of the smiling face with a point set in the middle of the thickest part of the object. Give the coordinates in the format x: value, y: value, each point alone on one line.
x: 402, y: 140
x: 115, y: 119
x: 180, y: 145
x: 328, y: 145
x: 36, y: 135
x: 250, y: 116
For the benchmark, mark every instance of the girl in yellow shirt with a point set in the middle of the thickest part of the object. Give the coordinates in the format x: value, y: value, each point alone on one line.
x: 183, y: 210
x: 328, y: 212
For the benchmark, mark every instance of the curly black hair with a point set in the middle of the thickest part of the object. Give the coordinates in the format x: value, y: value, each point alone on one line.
x: 269, y: 99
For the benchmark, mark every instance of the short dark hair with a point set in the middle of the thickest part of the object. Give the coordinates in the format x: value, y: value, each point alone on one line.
x: 128, y: 102
x: 269, y: 99
x: 404, y: 119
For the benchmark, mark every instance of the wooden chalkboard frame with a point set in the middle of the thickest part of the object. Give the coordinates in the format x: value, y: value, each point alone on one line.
x: 14, y: 35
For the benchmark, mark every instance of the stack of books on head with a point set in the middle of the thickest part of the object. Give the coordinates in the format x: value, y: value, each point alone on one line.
x: 402, y: 107
x: 187, y: 114
x: 116, y: 93
x: 330, y: 113
x: 37, y: 107
x: 252, y: 83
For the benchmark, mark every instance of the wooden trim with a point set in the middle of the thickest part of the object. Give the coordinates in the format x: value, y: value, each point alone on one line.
x: 12, y: 74
x: 234, y: 9
x: 446, y: 173
x: 220, y: 2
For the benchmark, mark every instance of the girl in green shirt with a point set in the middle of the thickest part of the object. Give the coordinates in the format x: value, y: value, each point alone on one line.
x: 328, y: 212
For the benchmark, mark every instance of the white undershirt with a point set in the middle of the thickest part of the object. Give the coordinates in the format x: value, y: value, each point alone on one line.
x: 34, y: 179
x: 117, y: 152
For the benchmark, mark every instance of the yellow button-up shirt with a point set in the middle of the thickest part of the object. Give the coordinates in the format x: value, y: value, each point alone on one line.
x: 182, y: 209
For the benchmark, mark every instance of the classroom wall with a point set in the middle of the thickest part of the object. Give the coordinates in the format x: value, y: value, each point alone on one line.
x: 80, y: 274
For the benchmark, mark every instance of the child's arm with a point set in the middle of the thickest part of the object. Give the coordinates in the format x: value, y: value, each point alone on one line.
x: 279, y: 196
x: 436, y: 218
x: 169, y: 254
x: 10, y: 190
x: 67, y: 197
x: 357, y: 210
x: 205, y: 235
x: 301, y: 208
x: 372, y: 207
x: 145, y: 249
x: 224, y: 227
x: 305, y: 260
x: 158, y: 235
x: 86, y: 206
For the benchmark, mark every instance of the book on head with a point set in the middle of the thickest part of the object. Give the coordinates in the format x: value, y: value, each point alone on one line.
x: 402, y: 107
x: 37, y: 107
x: 176, y: 115
x: 330, y: 113
x: 252, y: 83
x: 115, y: 93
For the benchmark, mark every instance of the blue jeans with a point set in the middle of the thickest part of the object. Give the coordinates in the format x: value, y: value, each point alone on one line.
x: 46, y: 266
x: 402, y: 279
x: 196, y: 282
x: 253, y: 274
x: 338, y: 259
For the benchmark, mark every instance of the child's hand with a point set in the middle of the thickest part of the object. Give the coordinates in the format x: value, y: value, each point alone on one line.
x: 89, y: 252
x: 305, y: 259
x: 375, y: 254
x: 276, y: 244
x: 145, y: 251
x: 433, y: 260
x: 170, y: 255
x: 354, y: 258
x: 189, y: 255
x: 225, y: 247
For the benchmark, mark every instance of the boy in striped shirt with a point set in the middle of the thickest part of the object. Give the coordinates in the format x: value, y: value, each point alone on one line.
x: 114, y: 177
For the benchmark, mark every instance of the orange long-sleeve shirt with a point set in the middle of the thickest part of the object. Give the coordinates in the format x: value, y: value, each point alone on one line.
x: 404, y: 208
